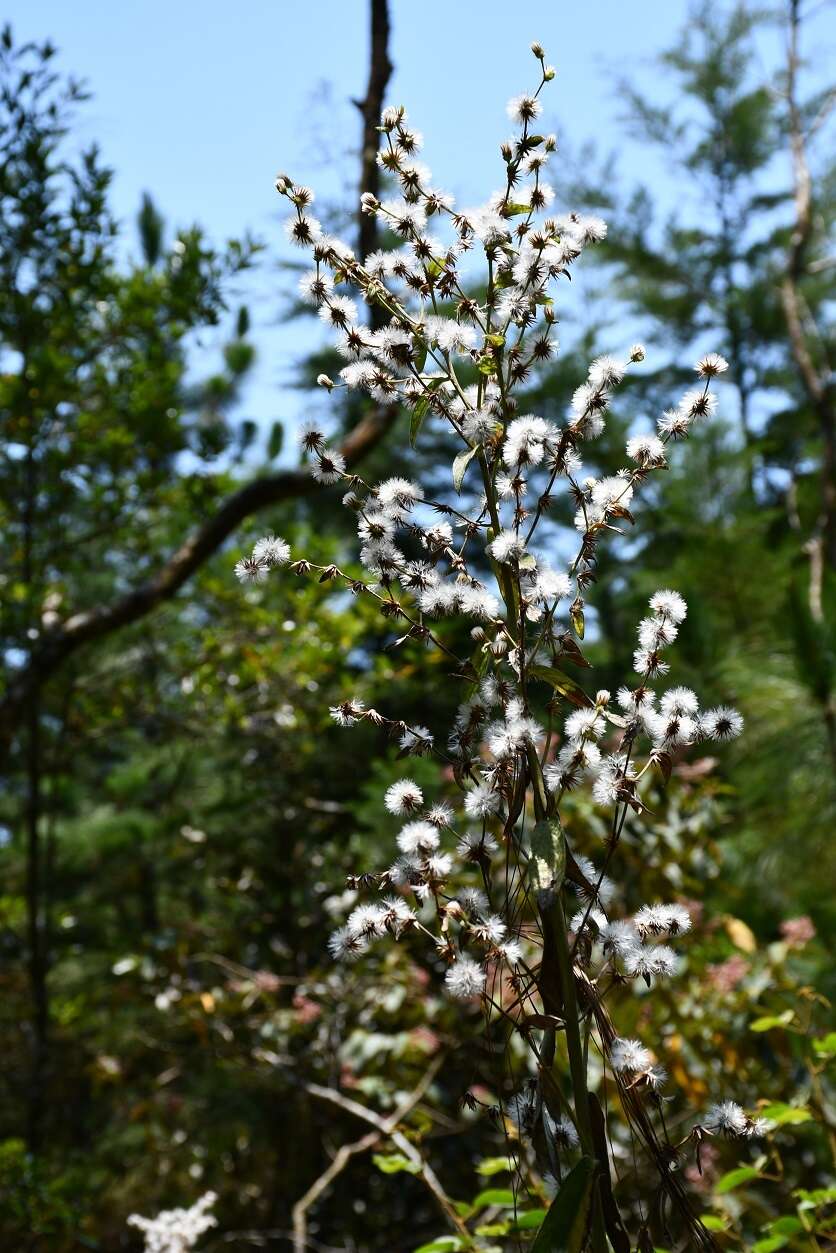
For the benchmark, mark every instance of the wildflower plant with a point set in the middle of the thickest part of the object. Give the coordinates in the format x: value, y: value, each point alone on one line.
x: 489, y: 877
x: 176, y: 1230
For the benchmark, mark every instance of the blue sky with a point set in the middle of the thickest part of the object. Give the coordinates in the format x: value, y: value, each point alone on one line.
x: 201, y: 103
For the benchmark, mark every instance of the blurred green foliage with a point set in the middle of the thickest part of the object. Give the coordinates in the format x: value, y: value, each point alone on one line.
x: 198, y: 812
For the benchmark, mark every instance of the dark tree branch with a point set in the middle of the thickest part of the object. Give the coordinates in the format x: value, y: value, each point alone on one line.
x: 59, y: 643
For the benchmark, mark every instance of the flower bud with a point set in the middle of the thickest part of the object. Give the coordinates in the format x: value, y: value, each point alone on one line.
x: 324, y: 381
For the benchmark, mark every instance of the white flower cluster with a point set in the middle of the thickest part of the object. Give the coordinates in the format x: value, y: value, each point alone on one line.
x: 729, y: 1120
x: 416, y: 359
x: 468, y: 303
x: 267, y: 554
x: 176, y: 1230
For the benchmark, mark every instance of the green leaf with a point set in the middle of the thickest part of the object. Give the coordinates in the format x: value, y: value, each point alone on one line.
x: 493, y: 1196
x: 460, y: 464
x: 494, y: 1165
x: 531, y: 1218
x: 771, y: 1021
x: 493, y: 1229
x: 444, y: 1244
x: 562, y: 683
x: 486, y: 365
x: 770, y: 1243
x: 784, y: 1115
x: 514, y: 210
x: 496, y: 341
x: 548, y: 856
x: 274, y: 443
x: 564, y: 1227
x: 417, y: 420
x: 576, y: 618
x: 394, y: 1163
x: 734, y: 1178
x: 788, y: 1225
x: 826, y: 1047
x: 713, y: 1222
x: 815, y: 1199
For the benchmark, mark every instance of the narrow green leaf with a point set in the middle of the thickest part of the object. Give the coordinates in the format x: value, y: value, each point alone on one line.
x: 562, y: 683
x: 564, y: 1227
x: 417, y: 420
x: 785, y: 1115
x: 548, y: 856
x: 816, y: 1198
x: 394, y: 1163
x: 787, y: 1225
x: 531, y: 1218
x: 576, y: 618
x: 444, y: 1244
x: 770, y: 1021
x: 734, y: 1178
x: 460, y: 464
x: 770, y: 1244
x: 493, y: 1196
x: 494, y: 1166
x: 274, y: 444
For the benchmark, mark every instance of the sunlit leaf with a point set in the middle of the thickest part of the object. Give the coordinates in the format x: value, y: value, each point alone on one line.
x: 460, y: 464
x: 394, y: 1163
x: 493, y: 1196
x: 784, y: 1114
x: 564, y: 1227
x: 735, y: 1178
x: 562, y: 683
x: 771, y: 1021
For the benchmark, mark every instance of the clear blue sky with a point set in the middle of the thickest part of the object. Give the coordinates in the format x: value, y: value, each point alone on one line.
x: 201, y: 103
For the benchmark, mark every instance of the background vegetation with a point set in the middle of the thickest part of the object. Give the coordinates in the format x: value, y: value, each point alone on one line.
x: 178, y: 813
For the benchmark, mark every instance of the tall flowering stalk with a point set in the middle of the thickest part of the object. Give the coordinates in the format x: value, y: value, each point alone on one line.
x: 489, y: 877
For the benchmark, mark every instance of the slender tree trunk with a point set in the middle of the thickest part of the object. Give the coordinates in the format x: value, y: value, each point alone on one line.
x: 371, y: 107
x: 35, y: 928
x: 32, y: 809
x: 817, y: 381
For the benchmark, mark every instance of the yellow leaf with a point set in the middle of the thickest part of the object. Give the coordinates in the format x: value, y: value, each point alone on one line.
x: 207, y: 1000
x: 741, y: 935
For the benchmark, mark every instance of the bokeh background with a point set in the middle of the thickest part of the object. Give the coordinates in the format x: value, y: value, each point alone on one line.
x: 178, y: 814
